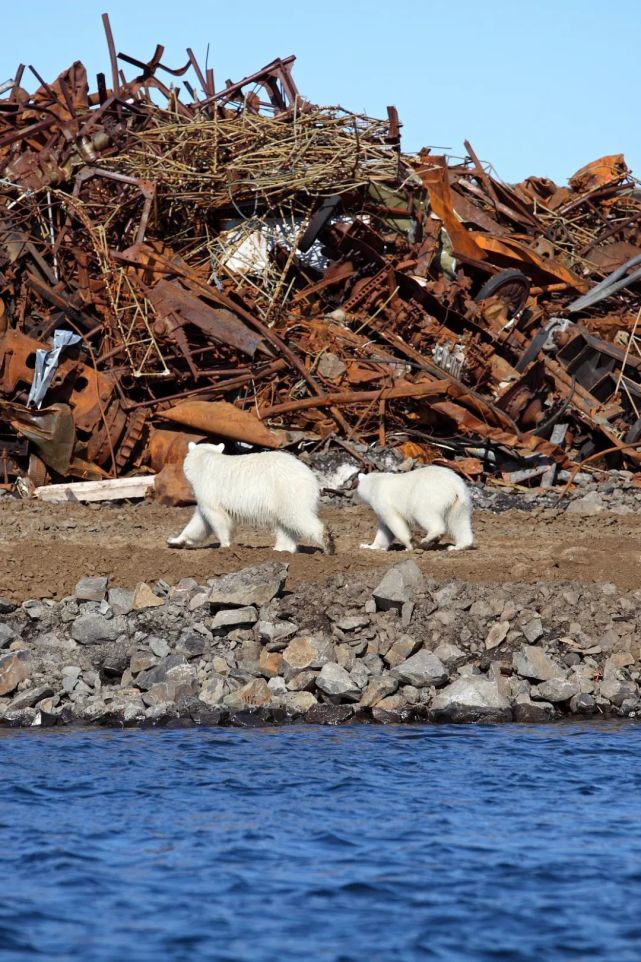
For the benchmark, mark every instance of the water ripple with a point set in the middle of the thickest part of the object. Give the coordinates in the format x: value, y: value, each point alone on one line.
x: 400, y: 844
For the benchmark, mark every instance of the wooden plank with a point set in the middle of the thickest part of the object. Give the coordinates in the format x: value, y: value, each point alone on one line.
x: 109, y: 490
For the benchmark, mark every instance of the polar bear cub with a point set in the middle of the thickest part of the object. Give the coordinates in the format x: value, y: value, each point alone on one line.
x: 433, y: 498
x: 271, y: 489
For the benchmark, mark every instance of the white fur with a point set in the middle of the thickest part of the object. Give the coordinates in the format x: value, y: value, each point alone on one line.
x: 435, y: 499
x: 271, y: 489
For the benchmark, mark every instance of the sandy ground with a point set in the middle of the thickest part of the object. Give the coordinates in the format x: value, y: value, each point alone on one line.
x: 44, y: 550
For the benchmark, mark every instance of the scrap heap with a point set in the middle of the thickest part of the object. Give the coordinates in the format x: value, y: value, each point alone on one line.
x: 241, y: 264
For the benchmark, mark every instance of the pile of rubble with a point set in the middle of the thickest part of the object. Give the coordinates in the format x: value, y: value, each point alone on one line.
x: 184, y: 261
x: 244, y: 651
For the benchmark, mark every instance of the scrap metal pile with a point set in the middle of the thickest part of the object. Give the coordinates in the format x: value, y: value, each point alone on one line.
x: 179, y: 261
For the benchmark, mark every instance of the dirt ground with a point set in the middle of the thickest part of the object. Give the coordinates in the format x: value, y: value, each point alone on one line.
x: 45, y: 549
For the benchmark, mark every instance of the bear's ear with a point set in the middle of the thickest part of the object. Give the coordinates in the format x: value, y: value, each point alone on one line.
x: 361, y: 475
x: 218, y: 448
x: 191, y: 445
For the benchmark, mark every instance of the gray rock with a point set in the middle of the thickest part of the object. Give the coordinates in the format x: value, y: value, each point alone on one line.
x: 555, y: 690
x: 352, y: 622
x: 328, y: 714
x: 532, y: 662
x: 37, y: 610
x: 224, y: 621
x: 142, y: 661
x: 93, y: 629
x: 277, y: 685
x: 158, y: 646
x: 91, y: 589
x: 21, y: 717
x: 616, y: 690
x: 359, y: 675
x: 533, y: 630
x: 582, y: 704
x: 302, y: 681
x: 398, y: 586
x: 276, y: 633
x: 172, y: 669
x: 6, y: 606
x: 421, y: 670
x: 7, y: 635
x: 471, y: 698
x: 450, y: 655
x: 191, y: 646
x: 213, y: 691
x: 252, y: 586
x: 308, y: 652
x: 14, y: 668
x: 377, y: 689
x: 51, y: 640
x: 255, y: 693
x: 30, y: 697
x: 534, y: 712
x: 299, y: 702
x: 336, y: 682
x: 71, y: 671
x: 120, y: 600
x: 497, y: 634
x: 400, y: 651
x: 590, y: 504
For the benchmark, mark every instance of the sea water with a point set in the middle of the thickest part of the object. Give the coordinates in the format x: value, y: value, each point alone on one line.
x: 310, y: 843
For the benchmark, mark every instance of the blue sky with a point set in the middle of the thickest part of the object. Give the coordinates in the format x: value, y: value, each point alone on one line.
x: 537, y: 87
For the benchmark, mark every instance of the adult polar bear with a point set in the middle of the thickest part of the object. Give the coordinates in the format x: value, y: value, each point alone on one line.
x: 433, y: 498
x: 271, y: 489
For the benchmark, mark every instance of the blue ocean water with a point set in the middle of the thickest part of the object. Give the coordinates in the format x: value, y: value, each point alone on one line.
x: 323, y: 845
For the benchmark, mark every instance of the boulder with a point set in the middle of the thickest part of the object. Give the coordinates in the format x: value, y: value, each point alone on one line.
x: 299, y: 702
x: 398, y: 586
x: 91, y: 589
x: 336, y: 682
x: 555, y: 690
x: 14, y: 668
x: 120, y: 600
x: 144, y: 597
x: 583, y: 704
x: 251, y: 586
x: 30, y: 697
x: 535, y: 712
x: 328, y: 714
x: 173, y: 669
x: 93, y: 629
x: 471, y: 698
x: 377, y: 689
x: 308, y: 652
x: 422, y: 670
x: 224, y: 621
x: 532, y: 662
x: 400, y: 651
x: 254, y: 693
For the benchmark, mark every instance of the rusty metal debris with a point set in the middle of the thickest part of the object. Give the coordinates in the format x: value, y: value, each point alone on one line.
x: 239, y: 263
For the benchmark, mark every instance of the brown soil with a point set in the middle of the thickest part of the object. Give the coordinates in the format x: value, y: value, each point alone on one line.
x: 45, y: 550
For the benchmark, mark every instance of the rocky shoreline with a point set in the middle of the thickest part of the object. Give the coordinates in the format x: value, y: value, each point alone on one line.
x: 394, y: 646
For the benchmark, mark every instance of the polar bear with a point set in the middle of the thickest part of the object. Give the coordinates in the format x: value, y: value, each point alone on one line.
x: 436, y: 499
x: 271, y: 489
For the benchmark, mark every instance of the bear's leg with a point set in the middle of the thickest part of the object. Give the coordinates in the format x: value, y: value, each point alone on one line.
x: 195, y: 532
x: 285, y: 540
x: 399, y: 528
x: 220, y: 523
x: 459, y: 527
x: 314, y: 530
x: 434, y: 527
x: 383, y: 539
